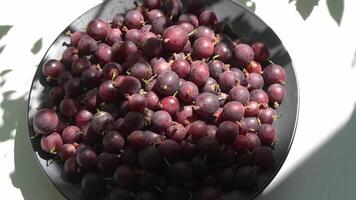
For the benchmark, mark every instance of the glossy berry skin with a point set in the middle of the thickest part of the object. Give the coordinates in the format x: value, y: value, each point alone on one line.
x: 175, y: 38
x: 253, y: 141
x: 154, y: 14
x: 249, y: 124
x: 233, y: 111
x: 71, y: 134
x: 211, y: 86
x: 181, y: 67
x: 104, y: 54
x: 197, y: 129
x: 172, y: 8
x: 267, y: 134
x: 207, y: 104
x: 71, y: 169
x: 73, y: 88
x: 254, y: 81
x: 141, y: 71
x: 228, y: 80
x: 113, y: 142
x: 276, y: 93
x: 170, y: 104
x: 203, y: 48
x: 227, y: 132
x: 152, y: 100
x: 204, y: 31
x: 98, y: 29
x: 114, y: 35
x: 133, y: 121
x: 107, y: 162
x: 260, y: 96
x: 67, y: 151
x: 102, y: 121
x: 208, y: 18
x: 127, y: 85
x: 189, y: 18
x: 252, y: 109
x: 274, y: 74
x: 107, y: 91
x: 45, y: 121
x: 133, y: 35
x: 267, y: 116
x: 254, y: 67
x: 167, y: 83
x: 199, y: 73
x: 122, y: 50
x: 188, y: 92
x: 243, y: 54
x: 152, y: 4
x: 79, y: 66
x: 51, y: 143
x: 111, y: 70
x: 152, y: 47
x: 185, y: 115
x: 90, y: 78
x: 137, y: 102
x: 160, y: 24
x: 261, y: 51
x: 240, y: 144
x: 216, y: 68
x: 52, y: 68
x: 161, y: 120
x: 160, y: 65
x: 137, y: 140
x: 56, y: 94
x: 75, y: 37
x: 69, y: 107
x: 240, y: 94
x: 223, y: 50
x: 87, y: 45
x: 86, y: 157
x: 134, y: 19
x: 176, y: 132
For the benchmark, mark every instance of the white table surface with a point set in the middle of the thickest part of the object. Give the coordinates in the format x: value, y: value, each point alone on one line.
x: 322, y: 162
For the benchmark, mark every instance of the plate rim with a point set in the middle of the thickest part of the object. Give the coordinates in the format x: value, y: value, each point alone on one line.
x: 284, y: 156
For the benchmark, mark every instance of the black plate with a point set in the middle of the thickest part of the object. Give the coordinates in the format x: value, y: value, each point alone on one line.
x: 245, y: 24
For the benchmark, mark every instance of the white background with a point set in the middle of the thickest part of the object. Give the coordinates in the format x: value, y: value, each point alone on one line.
x: 322, y: 162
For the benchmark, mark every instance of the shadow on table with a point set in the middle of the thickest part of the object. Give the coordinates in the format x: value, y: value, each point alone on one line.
x: 27, y: 175
x: 306, y: 7
x: 329, y: 173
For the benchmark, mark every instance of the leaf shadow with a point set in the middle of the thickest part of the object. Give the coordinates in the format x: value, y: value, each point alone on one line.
x: 27, y: 175
x: 336, y: 9
x: 353, y: 63
x: 37, y: 46
x: 4, y: 29
x: 306, y: 7
x: 2, y: 48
